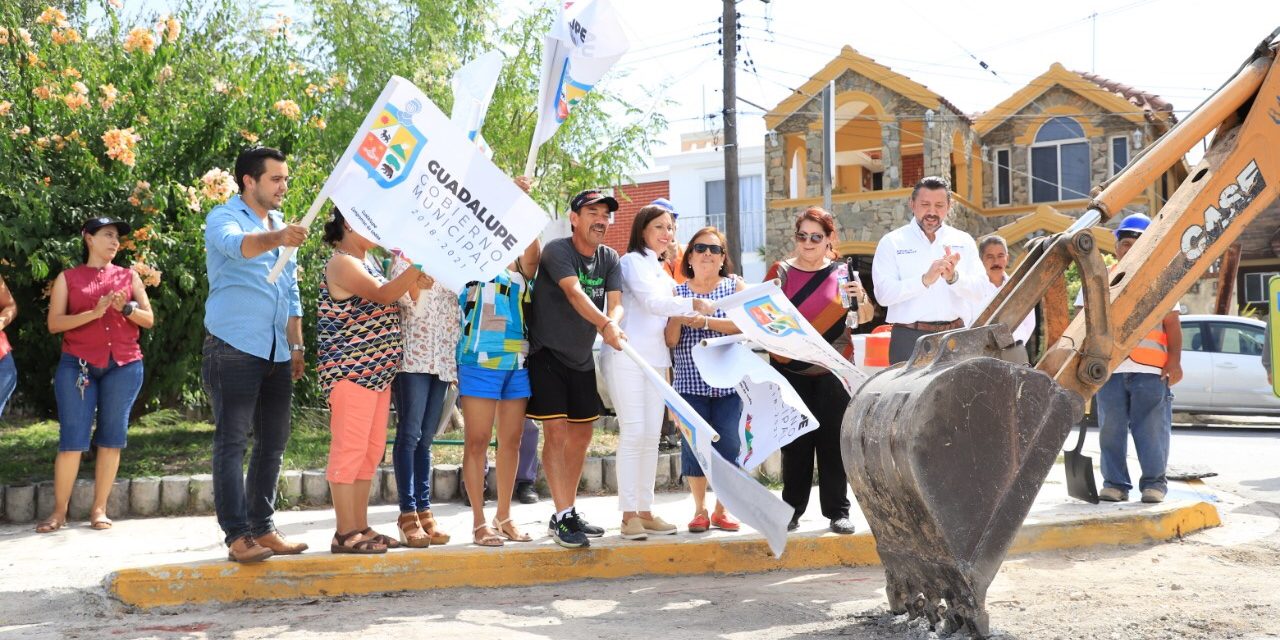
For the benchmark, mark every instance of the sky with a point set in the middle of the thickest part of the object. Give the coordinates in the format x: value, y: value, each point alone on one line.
x: 1181, y: 50
x: 1178, y: 49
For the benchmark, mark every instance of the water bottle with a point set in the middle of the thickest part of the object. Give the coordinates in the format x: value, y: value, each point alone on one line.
x: 842, y: 279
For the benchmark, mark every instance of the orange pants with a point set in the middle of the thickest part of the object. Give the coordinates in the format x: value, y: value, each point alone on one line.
x: 358, y: 425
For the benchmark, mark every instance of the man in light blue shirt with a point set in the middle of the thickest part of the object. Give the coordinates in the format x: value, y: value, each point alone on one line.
x: 253, y: 352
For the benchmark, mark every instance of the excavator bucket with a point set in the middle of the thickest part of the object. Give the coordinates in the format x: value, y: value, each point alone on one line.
x: 945, y: 455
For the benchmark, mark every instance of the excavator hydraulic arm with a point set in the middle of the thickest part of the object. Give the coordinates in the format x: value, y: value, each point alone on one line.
x: 947, y: 451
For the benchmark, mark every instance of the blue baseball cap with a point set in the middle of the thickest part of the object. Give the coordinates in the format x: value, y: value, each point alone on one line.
x: 665, y: 204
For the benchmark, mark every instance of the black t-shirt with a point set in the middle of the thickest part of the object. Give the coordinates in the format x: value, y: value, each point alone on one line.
x: 553, y: 324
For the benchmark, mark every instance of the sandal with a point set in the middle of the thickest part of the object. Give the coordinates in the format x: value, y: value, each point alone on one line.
x: 366, y: 546
x: 100, y: 523
x: 432, y: 527
x: 50, y: 525
x: 390, y: 543
x: 411, y: 533
x: 489, y: 539
x: 501, y: 527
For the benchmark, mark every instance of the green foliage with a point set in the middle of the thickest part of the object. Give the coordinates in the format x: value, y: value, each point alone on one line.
x: 195, y: 92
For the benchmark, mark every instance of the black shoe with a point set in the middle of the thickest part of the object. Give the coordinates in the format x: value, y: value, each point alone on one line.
x: 793, y: 525
x: 588, y: 529
x: 842, y: 525
x: 525, y: 493
x: 566, y: 534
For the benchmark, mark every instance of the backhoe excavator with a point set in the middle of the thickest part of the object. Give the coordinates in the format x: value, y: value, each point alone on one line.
x: 947, y: 451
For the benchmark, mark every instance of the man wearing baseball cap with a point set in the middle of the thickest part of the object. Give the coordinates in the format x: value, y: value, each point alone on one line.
x: 577, y: 294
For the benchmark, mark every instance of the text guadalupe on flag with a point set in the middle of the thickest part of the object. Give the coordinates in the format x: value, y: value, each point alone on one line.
x: 418, y: 186
x: 584, y: 41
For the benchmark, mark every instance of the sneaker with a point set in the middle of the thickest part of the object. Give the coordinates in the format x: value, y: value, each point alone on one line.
x: 634, y: 529
x: 566, y: 534
x: 588, y: 529
x: 842, y: 526
x: 725, y: 522
x: 1152, y: 495
x: 1112, y: 494
x: 525, y: 493
x: 658, y: 526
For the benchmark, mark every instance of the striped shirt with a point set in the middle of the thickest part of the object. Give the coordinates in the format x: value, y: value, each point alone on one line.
x: 687, y: 378
x: 819, y: 302
x: 359, y: 339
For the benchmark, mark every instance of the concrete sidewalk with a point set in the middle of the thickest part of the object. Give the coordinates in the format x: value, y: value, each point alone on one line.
x: 173, y: 561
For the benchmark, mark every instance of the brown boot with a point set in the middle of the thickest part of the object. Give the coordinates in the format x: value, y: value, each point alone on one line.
x: 432, y: 528
x: 245, y: 550
x: 411, y: 533
x: 278, y: 545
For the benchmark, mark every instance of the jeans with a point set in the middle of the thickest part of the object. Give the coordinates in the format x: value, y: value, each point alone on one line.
x: 827, y: 399
x: 1141, y: 404
x: 639, y: 406
x: 419, y: 399
x: 8, y: 380
x: 723, y: 414
x: 249, y: 396
x: 108, y: 396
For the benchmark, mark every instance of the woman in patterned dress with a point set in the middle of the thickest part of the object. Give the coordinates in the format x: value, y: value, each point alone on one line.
x: 360, y: 350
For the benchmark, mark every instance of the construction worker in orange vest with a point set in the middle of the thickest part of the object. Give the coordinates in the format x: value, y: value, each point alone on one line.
x: 1136, y: 399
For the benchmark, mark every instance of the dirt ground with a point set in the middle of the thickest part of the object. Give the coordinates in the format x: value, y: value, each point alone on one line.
x: 1220, y: 583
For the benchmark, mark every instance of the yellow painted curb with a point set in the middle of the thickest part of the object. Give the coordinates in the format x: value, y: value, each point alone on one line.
x: 327, y: 575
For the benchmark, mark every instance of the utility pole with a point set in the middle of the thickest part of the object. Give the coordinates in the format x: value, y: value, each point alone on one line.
x: 828, y: 142
x: 729, y: 50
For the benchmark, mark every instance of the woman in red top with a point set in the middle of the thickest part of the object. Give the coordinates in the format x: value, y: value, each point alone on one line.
x: 8, y: 372
x: 98, y: 308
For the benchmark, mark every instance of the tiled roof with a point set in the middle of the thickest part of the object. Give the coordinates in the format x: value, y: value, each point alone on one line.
x: 1148, y: 102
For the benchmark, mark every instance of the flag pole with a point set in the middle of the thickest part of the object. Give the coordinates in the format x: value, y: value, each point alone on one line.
x: 306, y: 222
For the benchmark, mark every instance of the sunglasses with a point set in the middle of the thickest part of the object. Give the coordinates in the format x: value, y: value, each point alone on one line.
x: 699, y: 247
x: 815, y: 238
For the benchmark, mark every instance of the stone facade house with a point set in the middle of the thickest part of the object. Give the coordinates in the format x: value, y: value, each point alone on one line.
x: 1022, y: 169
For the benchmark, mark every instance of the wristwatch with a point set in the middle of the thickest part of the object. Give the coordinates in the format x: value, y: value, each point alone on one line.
x: 128, y: 308
x: 301, y: 348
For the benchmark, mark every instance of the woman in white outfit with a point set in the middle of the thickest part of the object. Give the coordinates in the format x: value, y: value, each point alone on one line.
x: 647, y: 297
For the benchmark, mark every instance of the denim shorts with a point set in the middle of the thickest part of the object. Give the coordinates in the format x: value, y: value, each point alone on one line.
x: 494, y: 384
x: 105, y: 394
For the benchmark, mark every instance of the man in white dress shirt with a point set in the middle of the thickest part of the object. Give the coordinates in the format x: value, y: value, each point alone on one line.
x: 995, y: 262
x: 926, y: 272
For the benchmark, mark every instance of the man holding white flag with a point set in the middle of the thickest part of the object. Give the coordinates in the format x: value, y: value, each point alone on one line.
x: 585, y: 40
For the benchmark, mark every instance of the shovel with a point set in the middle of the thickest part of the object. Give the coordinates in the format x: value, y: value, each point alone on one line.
x: 1080, y: 483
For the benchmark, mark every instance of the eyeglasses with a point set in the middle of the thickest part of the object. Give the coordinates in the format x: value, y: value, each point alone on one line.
x: 815, y: 238
x: 715, y: 249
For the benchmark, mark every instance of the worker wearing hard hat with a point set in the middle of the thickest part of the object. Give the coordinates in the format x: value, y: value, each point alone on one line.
x: 1136, y: 399
x: 926, y: 272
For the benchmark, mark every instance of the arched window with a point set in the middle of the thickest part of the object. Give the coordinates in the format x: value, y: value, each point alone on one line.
x: 1060, y: 162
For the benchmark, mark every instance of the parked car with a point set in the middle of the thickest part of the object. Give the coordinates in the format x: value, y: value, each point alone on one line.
x: 1222, y: 367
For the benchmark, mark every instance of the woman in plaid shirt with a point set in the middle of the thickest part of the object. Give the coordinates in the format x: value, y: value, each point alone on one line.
x: 710, y: 276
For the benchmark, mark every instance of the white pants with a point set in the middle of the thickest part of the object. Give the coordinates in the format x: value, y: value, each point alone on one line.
x: 639, y: 407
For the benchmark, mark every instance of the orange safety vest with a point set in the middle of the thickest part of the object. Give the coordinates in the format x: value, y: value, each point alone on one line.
x: 1153, y: 349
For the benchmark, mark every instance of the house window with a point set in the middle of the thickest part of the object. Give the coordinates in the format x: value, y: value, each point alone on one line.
x: 750, y: 212
x: 1255, y: 287
x: 1119, y: 154
x: 1060, y: 162
x: 1004, y: 189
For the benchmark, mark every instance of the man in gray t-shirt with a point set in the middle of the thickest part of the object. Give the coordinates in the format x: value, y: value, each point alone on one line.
x: 552, y: 324
x: 577, y: 293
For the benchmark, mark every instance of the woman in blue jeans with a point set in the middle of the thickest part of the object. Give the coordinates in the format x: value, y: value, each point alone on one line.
x: 429, y: 322
x: 8, y: 372
x: 98, y: 308
x: 707, y: 267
